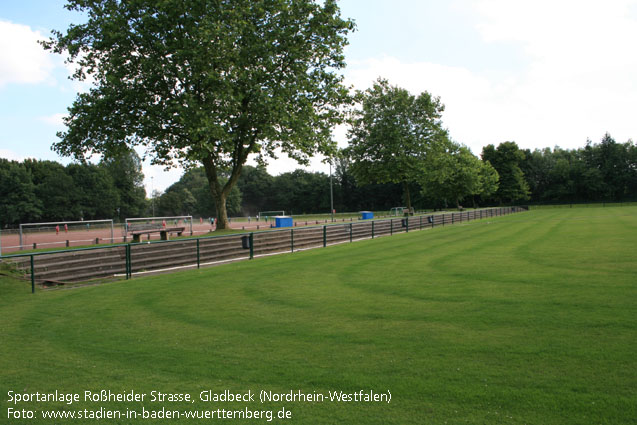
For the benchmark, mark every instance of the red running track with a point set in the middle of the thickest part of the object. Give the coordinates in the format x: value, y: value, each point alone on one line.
x: 11, y: 241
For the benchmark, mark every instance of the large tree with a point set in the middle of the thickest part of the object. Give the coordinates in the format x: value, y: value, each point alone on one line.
x: 617, y: 165
x: 391, y: 134
x: 454, y: 173
x: 506, y: 159
x: 95, y: 192
x: 55, y: 188
x: 302, y: 192
x: 256, y: 187
x: 18, y: 199
x: 206, y: 81
x: 125, y: 168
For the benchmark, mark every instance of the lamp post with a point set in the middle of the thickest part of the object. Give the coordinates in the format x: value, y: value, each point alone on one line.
x: 331, y: 194
x: 152, y: 194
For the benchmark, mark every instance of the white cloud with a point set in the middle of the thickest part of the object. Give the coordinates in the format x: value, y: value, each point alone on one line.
x: 22, y: 59
x: 53, y: 120
x: 579, y: 82
x: 285, y: 164
x: 471, y: 101
x: 157, y: 178
x: 10, y: 155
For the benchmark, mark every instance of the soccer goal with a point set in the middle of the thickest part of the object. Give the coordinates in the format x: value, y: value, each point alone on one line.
x: 267, y: 215
x: 31, y: 230
x: 397, y: 211
x: 131, y: 224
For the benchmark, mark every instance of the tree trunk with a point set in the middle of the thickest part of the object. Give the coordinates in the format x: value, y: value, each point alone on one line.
x: 222, y: 213
x: 407, y: 196
x: 218, y: 194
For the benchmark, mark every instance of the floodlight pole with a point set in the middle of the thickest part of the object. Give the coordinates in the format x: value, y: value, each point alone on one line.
x: 331, y: 193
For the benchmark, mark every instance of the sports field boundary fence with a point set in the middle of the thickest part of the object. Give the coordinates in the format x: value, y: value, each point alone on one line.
x: 168, y: 221
x: 60, y: 267
x: 25, y: 228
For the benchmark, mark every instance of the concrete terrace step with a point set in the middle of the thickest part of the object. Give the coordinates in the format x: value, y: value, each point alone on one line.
x: 73, y: 269
x: 188, y: 247
x: 72, y: 264
x: 156, y: 255
x: 79, y: 274
x: 144, y: 257
x: 167, y: 262
x: 51, y: 267
x: 70, y: 256
x: 76, y: 270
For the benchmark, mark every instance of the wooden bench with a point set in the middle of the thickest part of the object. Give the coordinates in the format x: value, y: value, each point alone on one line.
x: 148, y: 229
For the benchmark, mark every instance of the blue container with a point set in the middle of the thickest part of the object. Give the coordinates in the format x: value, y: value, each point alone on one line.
x: 367, y: 215
x: 282, y: 221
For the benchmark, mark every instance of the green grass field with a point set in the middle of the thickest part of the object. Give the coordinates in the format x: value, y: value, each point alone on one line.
x: 524, y: 319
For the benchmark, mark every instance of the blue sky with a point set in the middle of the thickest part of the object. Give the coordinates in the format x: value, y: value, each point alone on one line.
x: 541, y: 73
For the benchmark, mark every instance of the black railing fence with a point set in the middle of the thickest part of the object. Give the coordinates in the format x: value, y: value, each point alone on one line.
x: 128, y: 260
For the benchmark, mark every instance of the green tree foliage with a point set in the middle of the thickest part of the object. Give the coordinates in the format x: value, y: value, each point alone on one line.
x: 453, y: 173
x: 256, y: 188
x: 391, y: 135
x: 175, y: 202
x: 191, y: 196
x: 95, y: 193
x: 489, y: 180
x: 18, y: 200
x: 125, y: 169
x: 206, y: 82
x: 39, y: 191
x: 598, y: 172
x: 617, y: 165
x: 536, y: 167
x: 506, y: 160
x: 55, y: 188
x: 46, y: 191
x: 349, y: 196
x: 302, y: 192
x: 345, y: 191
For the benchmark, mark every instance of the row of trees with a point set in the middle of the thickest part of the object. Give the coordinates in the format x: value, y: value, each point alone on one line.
x: 295, y: 192
x: 606, y: 171
x: 48, y: 191
x: 42, y: 191
x: 597, y: 172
